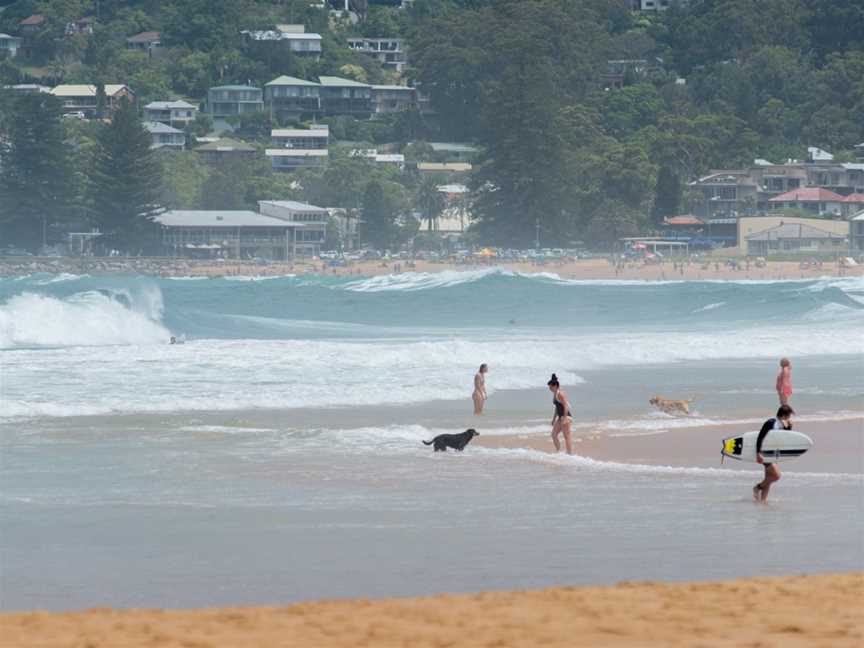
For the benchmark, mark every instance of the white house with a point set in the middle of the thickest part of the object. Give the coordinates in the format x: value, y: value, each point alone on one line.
x: 299, y: 42
x: 172, y: 113
x: 165, y: 136
x: 390, y: 52
x: 299, y: 147
x: 10, y: 44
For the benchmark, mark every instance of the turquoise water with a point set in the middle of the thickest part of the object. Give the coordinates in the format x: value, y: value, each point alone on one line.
x: 275, y: 456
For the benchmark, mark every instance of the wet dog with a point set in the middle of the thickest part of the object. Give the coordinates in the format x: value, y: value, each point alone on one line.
x: 455, y: 441
x: 671, y: 406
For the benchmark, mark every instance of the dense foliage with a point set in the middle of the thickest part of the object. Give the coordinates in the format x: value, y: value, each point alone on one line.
x: 565, y: 150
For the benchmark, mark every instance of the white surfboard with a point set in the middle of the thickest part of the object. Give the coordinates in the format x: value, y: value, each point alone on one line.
x: 778, y: 445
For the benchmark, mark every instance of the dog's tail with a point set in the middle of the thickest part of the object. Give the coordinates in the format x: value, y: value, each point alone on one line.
x: 428, y: 442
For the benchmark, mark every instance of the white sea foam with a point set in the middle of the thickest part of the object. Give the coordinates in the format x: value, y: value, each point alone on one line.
x: 581, y: 463
x: 258, y: 277
x: 710, y: 307
x: 90, y: 318
x: 60, y: 278
x: 421, y: 280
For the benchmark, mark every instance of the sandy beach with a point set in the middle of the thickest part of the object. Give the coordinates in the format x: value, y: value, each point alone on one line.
x: 793, y: 612
x: 584, y: 269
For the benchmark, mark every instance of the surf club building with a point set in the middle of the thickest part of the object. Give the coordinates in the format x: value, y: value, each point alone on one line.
x: 280, y: 230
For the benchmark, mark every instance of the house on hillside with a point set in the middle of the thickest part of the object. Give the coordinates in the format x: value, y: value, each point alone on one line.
x: 288, y: 97
x: 813, y: 199
x: 394, y: 159
x: 172, y: 113
x: 10, y: 45
x: 298, y: 41
x: 454, y: 151
x: 225, y: 148
x: 84, y: 99
x: 389, y: 52
x: 148, y: 41
x: 661, y: 5
x: 234, y: 100
x: 31, y: 24
x: 859, y: 151
x: 294, y: 148
x: 443, y: 168
x: 81, y: 26
x: 388, y: 99
x: 165, y: 136
x: 725, y: 194
x: 793, y: 238
x: 345, y: 97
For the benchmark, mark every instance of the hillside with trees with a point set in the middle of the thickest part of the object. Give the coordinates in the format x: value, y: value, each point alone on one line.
x: 565, y: 151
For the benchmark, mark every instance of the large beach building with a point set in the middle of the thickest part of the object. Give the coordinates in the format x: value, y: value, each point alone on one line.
x: 281, y: 230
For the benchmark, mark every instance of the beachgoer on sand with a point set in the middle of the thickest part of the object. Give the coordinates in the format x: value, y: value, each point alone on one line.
x: 783, y: 421
x: 479, y: 394
x: 784, y: 381
x: 562, y: 419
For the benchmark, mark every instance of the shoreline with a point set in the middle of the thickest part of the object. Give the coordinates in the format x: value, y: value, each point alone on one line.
x: 806, y: 611
x: 838, y: 446
x: 583, y: 269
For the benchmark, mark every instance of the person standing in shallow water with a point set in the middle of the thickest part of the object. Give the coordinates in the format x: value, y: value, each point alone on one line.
x: 479, y: 394
x: 561, y: 420
x: 784, y: 381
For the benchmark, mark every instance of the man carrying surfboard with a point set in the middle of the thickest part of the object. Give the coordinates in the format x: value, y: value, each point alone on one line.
x: 783, y: 421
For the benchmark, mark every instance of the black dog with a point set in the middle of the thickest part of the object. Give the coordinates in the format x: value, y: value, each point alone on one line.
x: 455, y: 441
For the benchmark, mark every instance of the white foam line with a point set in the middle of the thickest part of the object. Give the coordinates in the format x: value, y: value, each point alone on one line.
x: 596, y: 465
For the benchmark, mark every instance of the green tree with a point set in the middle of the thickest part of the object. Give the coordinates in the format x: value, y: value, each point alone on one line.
x: 37, y: 182
x: 125, y: 183
x: 667, y: 195
x: 429, y: 201
x: 382, y: 224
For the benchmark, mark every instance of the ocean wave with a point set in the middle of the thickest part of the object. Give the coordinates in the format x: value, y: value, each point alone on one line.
x: 91, y: 318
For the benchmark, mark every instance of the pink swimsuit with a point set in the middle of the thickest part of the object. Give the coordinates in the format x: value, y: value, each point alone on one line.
x: 784, y: 382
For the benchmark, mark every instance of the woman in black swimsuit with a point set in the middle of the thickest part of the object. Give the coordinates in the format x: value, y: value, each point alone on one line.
x: 562, y: 418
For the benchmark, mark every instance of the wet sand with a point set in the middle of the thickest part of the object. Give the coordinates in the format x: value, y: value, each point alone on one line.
x: 838, y: 446
x: 793, y: 612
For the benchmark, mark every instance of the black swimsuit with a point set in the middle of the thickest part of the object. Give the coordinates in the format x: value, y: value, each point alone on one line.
x: 559, y: 408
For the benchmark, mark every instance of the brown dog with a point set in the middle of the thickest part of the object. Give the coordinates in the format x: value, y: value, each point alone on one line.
x: 671, y: 406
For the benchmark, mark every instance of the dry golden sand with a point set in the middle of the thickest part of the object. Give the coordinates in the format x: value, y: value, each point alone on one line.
x: 825, y: 611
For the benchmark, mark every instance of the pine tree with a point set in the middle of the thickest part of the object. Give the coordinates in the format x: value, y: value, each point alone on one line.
x: 37, y: 185
x: 125, y: 183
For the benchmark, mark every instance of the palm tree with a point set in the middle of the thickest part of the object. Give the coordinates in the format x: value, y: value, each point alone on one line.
x: 429, y: 201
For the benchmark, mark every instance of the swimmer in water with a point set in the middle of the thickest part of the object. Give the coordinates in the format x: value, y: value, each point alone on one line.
x: 562, y: 419
x: 479, y: 394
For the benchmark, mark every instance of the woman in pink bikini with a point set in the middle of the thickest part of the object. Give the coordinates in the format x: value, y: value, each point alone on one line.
x: 784, y: 381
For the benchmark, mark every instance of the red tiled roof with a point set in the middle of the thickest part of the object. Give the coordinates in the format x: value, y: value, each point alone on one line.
x: 35, y: 19
x: 682, y: 220
x: 144, y: 37
x: 854, y: 198
x: 808, y: 194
